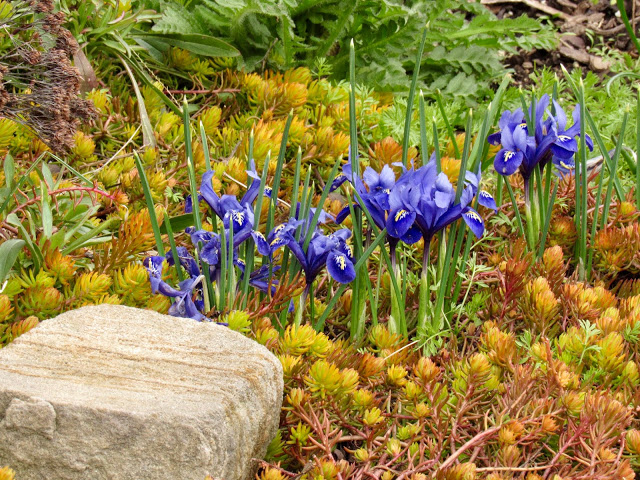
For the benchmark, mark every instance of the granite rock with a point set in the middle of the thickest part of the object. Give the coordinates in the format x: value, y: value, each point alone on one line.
x: 116, y: 393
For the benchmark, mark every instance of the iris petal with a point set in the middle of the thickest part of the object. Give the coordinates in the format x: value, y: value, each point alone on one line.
x: 154, y: 266
x: 588, y: 141
x: 340, y: 267
x: 486, y: 200
x: 206, y: 189
x: 444, y: 191
x: 564, y: 146
x: 344, y: 213
x: 276, y: 243
x: 507, y: 162
x: 296, y: 249
x: 338, y: 181
x: 371, y: 177
x: 565, y: 166
x: 387, y: 177
x: 346, y: 249
x: 560, y: 116
x: 188, y: 203
x: 211, y: 252
x: 520, y: 138
x: 474, y: 221
x: 399, y: 222
x: 261, y: 243
x: 412, y: 236
x: 494, y: 138
x: 186, y: 260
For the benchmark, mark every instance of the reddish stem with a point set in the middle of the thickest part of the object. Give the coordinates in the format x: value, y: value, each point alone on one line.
x: 38, y: 198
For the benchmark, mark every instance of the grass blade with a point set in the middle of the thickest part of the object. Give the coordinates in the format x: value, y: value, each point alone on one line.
x: 424, y: 143
x: 627, y: 24
x: 150, y: 205
x: 450, y: 131
x: 412, y: 92
x: 276, y: 181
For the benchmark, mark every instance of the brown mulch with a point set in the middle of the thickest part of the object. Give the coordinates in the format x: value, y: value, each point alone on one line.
x: 582, y: 24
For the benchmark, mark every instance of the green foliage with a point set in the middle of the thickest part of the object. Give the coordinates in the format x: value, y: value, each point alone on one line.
x: 383, y: 406
x: 8, y: 255
x: 609, y: 99
x: 462, y: 57
x: 116, y: 26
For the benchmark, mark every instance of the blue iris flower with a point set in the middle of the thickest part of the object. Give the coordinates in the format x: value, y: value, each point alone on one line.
x: 423, y: 203
x: 220, y: 208
x: 331, y: 250
x: 259, y: 278
x: 566, y: 145
x: 186, y: 261
x: 234, y: 213
x: 184, y: 304
x: 552, y: 141
x: 212, y: 248
x: 373, y: 189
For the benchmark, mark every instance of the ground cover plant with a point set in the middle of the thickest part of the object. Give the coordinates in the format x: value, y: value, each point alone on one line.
x: 462, y: 57
x: 452, y: 293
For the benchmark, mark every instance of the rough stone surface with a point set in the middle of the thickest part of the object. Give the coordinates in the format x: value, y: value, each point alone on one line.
x: 116, y: 393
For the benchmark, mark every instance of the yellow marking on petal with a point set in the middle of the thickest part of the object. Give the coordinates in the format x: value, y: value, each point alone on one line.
x: 523, y: 125
x: 387, y: 190
x: 278, y: 228
x: 564, y: 165
x: 350, y: 250
x: 275, y: 241
x: 564, y: 138
x: 474, y: 216
x: 341, y: 262
x: 239, y: 217
x: 508, y: 155
x: 401, y: 214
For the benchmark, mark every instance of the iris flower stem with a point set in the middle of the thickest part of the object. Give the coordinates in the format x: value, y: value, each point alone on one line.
x: 394, y: 319
x: 530, y: 226
x: 540, y: 204
x: 442, y: 245
x: 529, y: 214
x: 393, y: 246
x: 547, y: 220
x: 312, y: 304
x: 547, y: 187
x: 207, y: 295
x: 302, y: 300
x: 583, y: 188
x: 424, y: 295
x: 512, y: 197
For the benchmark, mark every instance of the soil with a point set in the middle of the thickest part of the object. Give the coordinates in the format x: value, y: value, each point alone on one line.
x: 583, y: 25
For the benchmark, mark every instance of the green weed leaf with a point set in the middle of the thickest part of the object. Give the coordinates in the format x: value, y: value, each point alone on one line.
x: 9, y: 251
